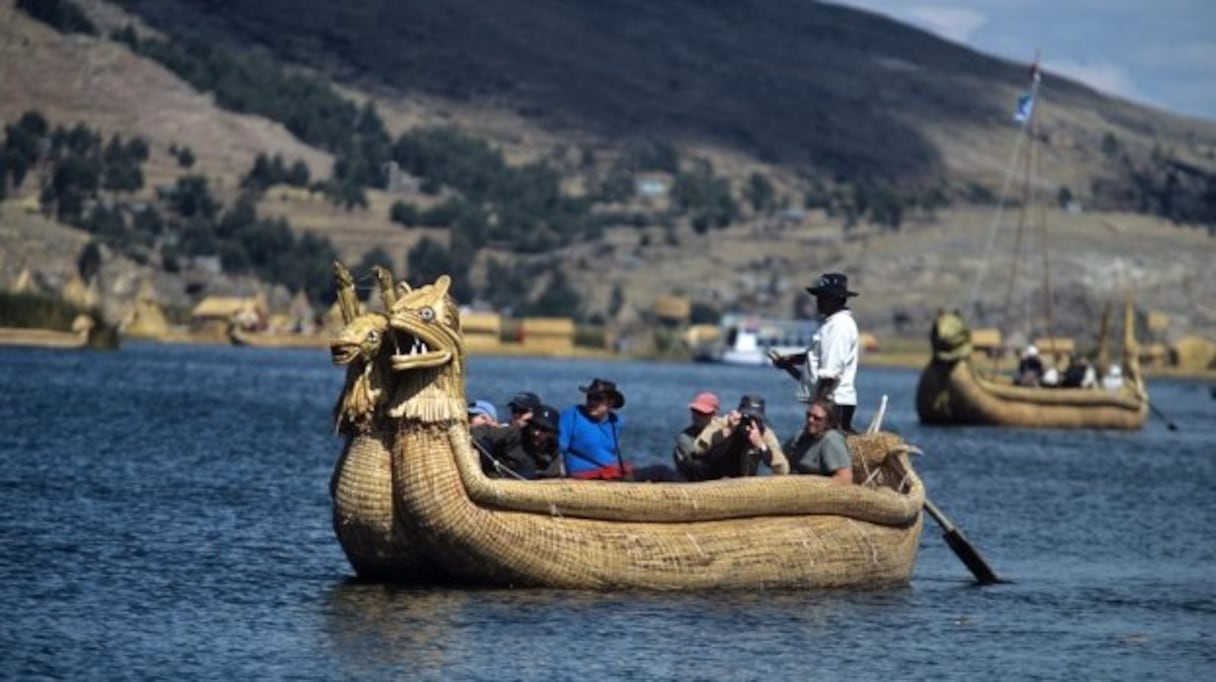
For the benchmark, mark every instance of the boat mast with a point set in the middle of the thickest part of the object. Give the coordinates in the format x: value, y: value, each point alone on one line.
x: 1033, y: 156
x: 1023, y: 115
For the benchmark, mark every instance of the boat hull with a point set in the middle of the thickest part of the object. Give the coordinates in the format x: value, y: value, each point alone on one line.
x: 781, y: 532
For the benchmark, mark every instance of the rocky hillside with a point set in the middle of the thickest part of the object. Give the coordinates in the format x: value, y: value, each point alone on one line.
x: 799, y: 92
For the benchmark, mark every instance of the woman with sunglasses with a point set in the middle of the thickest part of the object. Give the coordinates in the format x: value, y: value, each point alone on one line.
x: 820, y: 449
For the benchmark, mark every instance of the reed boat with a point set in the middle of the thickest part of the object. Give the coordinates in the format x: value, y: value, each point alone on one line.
x: 411, y: 502
x: 42, y: 338
x: 32, y: 337
x: 953, y: 390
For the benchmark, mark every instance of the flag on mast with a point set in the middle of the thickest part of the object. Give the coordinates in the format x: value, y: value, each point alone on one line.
x: 1025, y: 106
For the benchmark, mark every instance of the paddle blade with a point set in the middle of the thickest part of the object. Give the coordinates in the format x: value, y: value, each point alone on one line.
x: 967, y: 553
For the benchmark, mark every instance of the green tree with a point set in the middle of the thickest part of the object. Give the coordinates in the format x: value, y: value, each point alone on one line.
x: 62, y: 15
x: 558, y: 299
x: 88, y: 262
x: 403, y: 213
x: 761, y: 193
x: 377, y: 256
x: 616, y: 301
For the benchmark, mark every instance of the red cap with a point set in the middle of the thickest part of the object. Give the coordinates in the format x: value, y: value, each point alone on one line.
x: 706, y: 403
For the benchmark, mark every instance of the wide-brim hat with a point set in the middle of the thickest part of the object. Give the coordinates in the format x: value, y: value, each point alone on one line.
x: 832, y: 284
x: 601, y: 387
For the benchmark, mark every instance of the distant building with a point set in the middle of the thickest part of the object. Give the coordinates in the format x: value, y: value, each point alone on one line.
x: 652, y: 185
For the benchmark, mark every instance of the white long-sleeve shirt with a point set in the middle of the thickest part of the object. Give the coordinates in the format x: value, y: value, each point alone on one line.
x: 833, y: 355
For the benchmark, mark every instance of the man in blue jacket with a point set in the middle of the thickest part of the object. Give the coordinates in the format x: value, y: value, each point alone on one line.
x: 589, y: 434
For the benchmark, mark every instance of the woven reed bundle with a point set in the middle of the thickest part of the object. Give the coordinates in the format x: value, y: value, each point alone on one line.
x: 724, y: 499
x: 361, y: 488
x: 484, y: 545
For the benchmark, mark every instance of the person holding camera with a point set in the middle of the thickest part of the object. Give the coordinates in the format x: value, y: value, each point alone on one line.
x: 735, y: 443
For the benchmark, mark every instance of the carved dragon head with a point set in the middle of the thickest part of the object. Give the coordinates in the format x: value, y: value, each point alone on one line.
x: 360, y: 339
x: 361, y: 346
x: 429, y: 357
x: 950, y: 337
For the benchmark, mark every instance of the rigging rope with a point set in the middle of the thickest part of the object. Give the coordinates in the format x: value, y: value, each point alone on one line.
x: 972, y: 301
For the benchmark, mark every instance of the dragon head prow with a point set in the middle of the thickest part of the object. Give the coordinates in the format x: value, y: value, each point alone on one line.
x: 429, y: 357
x: 428, y: 327
x: 361, y: 338
x: 950, y: 338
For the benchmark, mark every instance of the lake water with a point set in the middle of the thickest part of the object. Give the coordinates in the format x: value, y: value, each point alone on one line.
x: 165, y: 514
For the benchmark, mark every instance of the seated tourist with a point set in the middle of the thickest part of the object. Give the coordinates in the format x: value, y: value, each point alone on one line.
x: 1030, y: 368
x: 482, y: 412
x: 1050, y: 378
x: 589, y: 434
x: 521, y: 405
x: 526, y: 452
x: 702, y: 410
x: 1078, y: 374
x: 734, y: 444
x: 819, y: 448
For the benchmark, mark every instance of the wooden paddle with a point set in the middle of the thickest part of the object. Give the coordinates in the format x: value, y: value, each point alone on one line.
x: 958, y: 542
x: 963, y: 549
x: 1168, y: 424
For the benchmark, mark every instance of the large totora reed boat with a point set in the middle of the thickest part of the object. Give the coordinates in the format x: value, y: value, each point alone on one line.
x: 411, y: 502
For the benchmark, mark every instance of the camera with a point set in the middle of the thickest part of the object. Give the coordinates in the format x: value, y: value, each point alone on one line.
x: 746, y: 421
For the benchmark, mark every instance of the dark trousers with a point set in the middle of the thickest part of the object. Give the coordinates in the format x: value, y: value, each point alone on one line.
x: 844, y: 413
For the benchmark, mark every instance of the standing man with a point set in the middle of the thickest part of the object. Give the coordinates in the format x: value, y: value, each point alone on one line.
x: 829, y: 366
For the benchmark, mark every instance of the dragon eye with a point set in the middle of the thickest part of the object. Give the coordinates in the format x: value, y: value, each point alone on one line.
x: 426, y: 314
x: 373, y: 336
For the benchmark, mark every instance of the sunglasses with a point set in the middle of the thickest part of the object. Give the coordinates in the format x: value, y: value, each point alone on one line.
x: 816, y: 417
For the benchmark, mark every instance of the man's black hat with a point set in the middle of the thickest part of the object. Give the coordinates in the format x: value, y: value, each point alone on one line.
x: 832, y: 284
